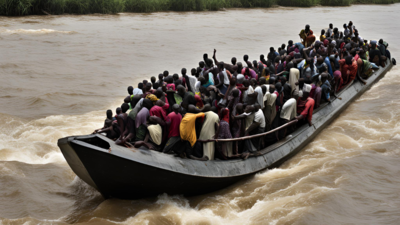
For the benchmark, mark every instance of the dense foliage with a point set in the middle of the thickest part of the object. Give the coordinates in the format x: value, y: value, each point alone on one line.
x: 27, y: 7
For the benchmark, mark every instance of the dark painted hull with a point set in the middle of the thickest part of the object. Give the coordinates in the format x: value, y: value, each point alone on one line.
x: 137, y: 173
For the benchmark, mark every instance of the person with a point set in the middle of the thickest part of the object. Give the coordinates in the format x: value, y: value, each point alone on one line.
x: 325, y: 87
x: 111, y: 129
x: 307, y: 36
x: 187, y: 130
x: 376, y: 56
x: 272, y: 54
x: 348, y: 68
x: 248, y: 117
x: 138, y: 90
x: 122, y: 120
x: 305, y: 106
x: 222, y: 78
x: 294, y: 75
x: 230, y: 67
x: 174, y: 139
x: 322, y: 37
x: 329, y: 32
x: 364, y: 68
x: 208, y: 131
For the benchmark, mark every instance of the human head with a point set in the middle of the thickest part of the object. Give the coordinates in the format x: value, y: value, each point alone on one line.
x: 140, y: 85
x: 246, y: 83
x: 381, y: 41
x: 232, y: 81
x: 271, y: 49
x: 262, y: 80
x: 166, y: 73
x: 156, y: 85
x: 235, y: 93
x: 201, y: 64
x: 124, y: 107
x: 127, y: 99
x: 176, y: 76
x: 249, y: 109
x: 153, y: 79
x: 109, y: 114
x: 193, y: 72
x: 176, y: 108
x: 349, y: 60
x: 205, y: 57
x: 322, y: 32
x: 245, y: 58
x: 221, y: 66
x: 345, y: 26
x: 181, y: 90
x: 239, y: 108
x: 202, y: 80
x: 307, y: 27
x: 130, y: 90
x: 159, y: 93
x: 255, y: 64
x: 148, y: 87
x: 160, y: 76
x: 145, y: 82
x: 183, y: 71
x: 290, y: 43
x: 271, y: 88
x: 233, y: 61
x: 118, y: 110
x: 160, y: 103
x: 283, y: 80
x: 331, y: 26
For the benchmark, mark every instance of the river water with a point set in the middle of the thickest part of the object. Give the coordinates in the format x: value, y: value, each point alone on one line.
x: 59, y: 74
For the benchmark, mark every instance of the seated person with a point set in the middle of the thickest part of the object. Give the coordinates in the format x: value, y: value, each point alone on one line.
x: 111, y: 129
x: 348, y: 68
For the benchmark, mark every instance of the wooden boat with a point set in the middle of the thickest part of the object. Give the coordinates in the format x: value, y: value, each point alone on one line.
x: 136, y: 173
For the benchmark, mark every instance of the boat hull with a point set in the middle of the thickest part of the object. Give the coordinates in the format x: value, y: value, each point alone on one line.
x: 136, y: 173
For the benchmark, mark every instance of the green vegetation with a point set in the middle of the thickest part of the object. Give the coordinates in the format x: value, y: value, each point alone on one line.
x: 27, y: 7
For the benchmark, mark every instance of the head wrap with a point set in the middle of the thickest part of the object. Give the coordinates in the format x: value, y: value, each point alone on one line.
x: 307, y: 88
x: 199, y: 102
x: 239, y: 78
x: 152, y: 98
x: 224, y: 114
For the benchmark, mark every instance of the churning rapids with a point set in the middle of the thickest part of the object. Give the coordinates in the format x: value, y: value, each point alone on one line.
x: 59, y: 74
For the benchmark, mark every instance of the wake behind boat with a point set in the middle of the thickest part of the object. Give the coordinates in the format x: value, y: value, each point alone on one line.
x: 136, y: 172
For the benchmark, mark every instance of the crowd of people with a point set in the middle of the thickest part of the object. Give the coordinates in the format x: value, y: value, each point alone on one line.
x: 177, y: 114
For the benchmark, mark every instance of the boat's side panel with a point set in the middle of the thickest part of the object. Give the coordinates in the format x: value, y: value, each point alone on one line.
x: 121, y: 178
x: 74, y: 161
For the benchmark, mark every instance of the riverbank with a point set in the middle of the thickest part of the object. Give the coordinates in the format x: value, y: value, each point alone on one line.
x: 40, y: 7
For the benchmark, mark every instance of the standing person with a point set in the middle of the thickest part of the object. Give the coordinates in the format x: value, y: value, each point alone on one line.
x: 187, y: 130
x: 329, y: 32
x: 223, y: 132
x: 272, y: 54
x: 307, y: 36
x: 208, y: 131
x: 305, y: 106
x: 174, y: 139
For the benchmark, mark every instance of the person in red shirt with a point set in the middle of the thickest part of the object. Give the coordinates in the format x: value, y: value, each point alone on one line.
x: 174, y: 138
x: 305, y: 105
x: 348, y: 68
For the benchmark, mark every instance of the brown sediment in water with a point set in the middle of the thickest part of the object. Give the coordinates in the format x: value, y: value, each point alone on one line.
x: 57, y: 84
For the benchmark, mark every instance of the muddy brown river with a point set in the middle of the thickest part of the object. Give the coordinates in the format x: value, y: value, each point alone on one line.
x: 59, y: 74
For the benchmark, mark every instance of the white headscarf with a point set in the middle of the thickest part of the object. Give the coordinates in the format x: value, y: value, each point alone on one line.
x: 260, y: 96
x: 293, y: 78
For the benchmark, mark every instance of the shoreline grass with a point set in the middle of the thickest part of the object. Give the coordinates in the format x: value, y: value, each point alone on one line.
x: 39, y: 7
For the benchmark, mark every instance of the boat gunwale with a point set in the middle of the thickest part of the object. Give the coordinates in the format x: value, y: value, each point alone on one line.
x: 264, y: 152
